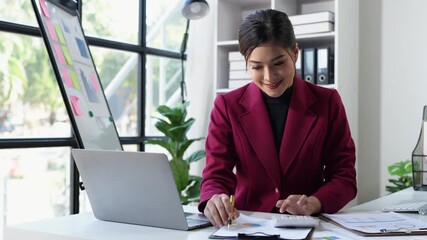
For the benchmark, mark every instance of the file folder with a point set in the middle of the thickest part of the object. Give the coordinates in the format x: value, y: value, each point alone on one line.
x: 298, y: 64
x: 309, y: 66
x: 325, y: 66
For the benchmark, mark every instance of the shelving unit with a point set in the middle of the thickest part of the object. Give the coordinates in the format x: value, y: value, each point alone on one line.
x: 344, y: 39
x: 230, y: 13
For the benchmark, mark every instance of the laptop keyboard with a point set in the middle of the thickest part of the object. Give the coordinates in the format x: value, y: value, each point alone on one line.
x: 193, y: 222
x: 194, y: 219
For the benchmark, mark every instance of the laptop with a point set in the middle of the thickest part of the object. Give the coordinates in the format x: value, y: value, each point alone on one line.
x: 134, y: 188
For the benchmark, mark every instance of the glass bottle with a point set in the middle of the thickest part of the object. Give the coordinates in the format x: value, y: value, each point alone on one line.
x: 419, y: 157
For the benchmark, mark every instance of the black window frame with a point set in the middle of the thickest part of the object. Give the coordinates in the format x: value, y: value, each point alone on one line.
x: 141, y: 49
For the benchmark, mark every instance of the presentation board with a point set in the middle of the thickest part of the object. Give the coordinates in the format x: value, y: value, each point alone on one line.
x: 76, y: 74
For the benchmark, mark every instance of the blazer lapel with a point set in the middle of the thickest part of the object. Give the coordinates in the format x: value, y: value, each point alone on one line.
x: 256, y: 125
x: 299, y: 123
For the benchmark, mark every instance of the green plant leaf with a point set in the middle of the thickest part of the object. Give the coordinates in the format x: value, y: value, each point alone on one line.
x: 407, y: 168
x: 163, y: 127
x: 163, y: 143
x: 196, y: 156
x: 177, y: 133
x: 185, y: 144
x: 192, y: 192
x: 403, y: 171
x: 394, y: 170
x: 164, y: 110
x: 180, y: 173
x: 175, y: 127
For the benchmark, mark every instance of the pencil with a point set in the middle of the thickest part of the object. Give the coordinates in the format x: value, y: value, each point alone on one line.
x: 230, y: 218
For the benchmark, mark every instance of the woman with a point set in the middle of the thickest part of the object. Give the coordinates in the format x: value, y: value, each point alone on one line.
x: 288, y: 140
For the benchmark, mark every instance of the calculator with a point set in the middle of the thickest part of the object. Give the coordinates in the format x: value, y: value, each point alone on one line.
x: 295, y: 221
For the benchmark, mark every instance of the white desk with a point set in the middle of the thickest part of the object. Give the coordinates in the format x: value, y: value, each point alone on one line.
x: 85, y: 226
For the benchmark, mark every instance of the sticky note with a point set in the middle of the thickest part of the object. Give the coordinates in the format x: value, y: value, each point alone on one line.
x: 51, y: 31
x: 45, y: 9
x: 74, y: 80
x: 66, y: 77
x: 95, y: 82
x: 65, y: 26
x: 59, y: 54
x: 76, y: 108
x: 58, y: 31
x: 82, y: 48
x: 67, y: 55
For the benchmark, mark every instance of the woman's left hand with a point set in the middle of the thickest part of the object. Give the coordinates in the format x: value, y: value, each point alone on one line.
x: 300, y: 205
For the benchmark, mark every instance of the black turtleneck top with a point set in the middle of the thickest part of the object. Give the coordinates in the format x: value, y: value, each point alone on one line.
x: 278, y: 111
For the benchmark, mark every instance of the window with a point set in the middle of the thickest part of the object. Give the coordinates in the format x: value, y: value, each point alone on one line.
x: 139, y: 67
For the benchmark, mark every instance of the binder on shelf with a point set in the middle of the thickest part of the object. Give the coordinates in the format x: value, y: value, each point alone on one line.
x: 319, y: 27
x: 236, y: 83
x: 309, y: 65
x: 298, y: 63
x: 235, y: 56
x: 326, y: 16
x: 325, y: 66
x: 238, y: 65
x: 239, y: 74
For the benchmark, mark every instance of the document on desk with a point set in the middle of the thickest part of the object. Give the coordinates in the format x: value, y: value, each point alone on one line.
x: 389, y: 223
x: 251, y: 227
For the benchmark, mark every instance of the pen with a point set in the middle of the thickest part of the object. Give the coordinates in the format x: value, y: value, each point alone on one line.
x: 230, y: 218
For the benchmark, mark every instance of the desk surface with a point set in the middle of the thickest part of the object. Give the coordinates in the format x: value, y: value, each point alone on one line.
x: 86, y: 226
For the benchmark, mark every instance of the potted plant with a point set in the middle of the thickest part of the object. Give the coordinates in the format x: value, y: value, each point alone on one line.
x: 175, y: 125
x: 403, y: 171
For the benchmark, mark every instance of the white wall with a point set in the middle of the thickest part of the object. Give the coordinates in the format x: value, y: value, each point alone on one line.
x: 392, y: 87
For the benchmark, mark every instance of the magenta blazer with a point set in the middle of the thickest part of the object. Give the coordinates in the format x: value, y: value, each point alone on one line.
x: 316, y: 157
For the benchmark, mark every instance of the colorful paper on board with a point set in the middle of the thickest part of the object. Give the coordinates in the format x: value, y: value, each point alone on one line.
x: 95, y: 82
x: 67, y: 55
x: 45, y: 9
x: 82, y: 48
x: 51, y: 31
x: 58, y: 30
x: 90, y: 90
x: 76, y: 108
x: 59, y: 54
x: 65, y: 26
x: 66, y: 77
x: 75, y: 80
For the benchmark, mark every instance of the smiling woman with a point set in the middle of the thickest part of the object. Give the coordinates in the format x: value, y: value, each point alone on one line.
x: 279, y: 144
x: 272, y: 68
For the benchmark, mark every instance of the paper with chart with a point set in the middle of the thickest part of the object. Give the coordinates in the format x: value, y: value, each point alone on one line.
x: 333, y: 232
x: 376, y: 222
x: 259, y: 226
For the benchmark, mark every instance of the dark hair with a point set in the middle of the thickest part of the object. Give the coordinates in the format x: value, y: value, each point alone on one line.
x: 265, y: 26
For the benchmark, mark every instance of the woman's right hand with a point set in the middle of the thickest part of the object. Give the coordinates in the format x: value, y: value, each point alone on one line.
x: 218, y: 209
